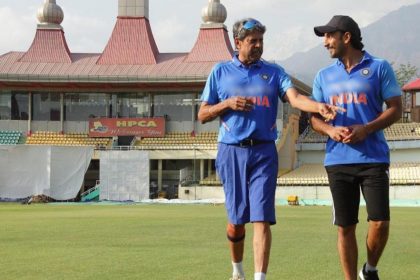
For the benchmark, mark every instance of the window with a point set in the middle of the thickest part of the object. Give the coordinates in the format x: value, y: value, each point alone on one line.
x: 177, y: 107
x: 19, y: 103
x: 82, y: 106
x: 46, y: 106
x: 5, y: 105
x: 133, y: 105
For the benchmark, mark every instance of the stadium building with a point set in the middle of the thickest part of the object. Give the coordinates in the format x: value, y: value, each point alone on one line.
x: 122, y: 124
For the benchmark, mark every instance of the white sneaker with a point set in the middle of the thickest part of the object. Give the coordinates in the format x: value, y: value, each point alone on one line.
x: 237, y: 277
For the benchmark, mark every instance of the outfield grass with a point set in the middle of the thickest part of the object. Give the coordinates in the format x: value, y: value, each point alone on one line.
x: 181, y: 242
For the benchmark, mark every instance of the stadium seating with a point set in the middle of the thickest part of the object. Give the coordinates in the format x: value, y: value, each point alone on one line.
x: 310, y: 136
x: 10, y: 137
x: 69, y: 139
x: 306, y: 175
x: 396, y: 132
x: 210, y: 181
x: 180, y: 141
x: 407, y: 173
x: 403, y: 131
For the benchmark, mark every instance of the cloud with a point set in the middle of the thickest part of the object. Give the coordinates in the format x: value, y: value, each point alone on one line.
x: 87, y: 34
x: 172, y: 35
x: 15, y: 34
x: 286, y: 42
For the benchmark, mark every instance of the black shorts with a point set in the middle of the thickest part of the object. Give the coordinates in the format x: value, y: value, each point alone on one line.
x: 347, y: 180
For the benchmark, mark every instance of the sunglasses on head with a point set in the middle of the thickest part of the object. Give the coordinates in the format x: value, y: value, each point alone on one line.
x: 251, y: 24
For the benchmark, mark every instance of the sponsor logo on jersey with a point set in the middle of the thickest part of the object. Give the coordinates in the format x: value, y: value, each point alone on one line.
x: 260, y: 101
x: 349, y: 98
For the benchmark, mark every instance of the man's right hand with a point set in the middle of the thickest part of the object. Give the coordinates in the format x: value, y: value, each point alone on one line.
x: 239, y: 103
x: 329, y: 111
x: 338, y: 133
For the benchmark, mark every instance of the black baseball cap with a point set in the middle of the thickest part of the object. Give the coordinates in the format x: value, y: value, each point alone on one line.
x: 339, y: 23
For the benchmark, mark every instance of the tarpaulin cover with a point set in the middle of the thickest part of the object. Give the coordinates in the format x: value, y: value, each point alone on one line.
x: 54, y: 171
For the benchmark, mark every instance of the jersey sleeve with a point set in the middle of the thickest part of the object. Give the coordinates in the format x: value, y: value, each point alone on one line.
x: 284, y: 82
x: 210, y: 92
x: 317, y: 94
x: 389, y: 84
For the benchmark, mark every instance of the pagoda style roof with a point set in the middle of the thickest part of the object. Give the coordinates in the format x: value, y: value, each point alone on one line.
x: 49, y: 46
x: 130, y: 59
x: 130, y: 56
x: 170, y: 67
x: 212, y: 45
x: 131, y: 43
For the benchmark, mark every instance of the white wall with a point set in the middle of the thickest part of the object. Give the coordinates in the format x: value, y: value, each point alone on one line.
x: 124, y: 175
x: 306, y: 192
x: 46, y: 126
x: 81, y: 127
x: 14, y: 125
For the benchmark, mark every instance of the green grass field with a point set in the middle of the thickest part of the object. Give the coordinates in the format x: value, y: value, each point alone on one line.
x: 181, y: 242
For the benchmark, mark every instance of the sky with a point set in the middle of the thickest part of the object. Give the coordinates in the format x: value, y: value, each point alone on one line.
x: 88, y: 24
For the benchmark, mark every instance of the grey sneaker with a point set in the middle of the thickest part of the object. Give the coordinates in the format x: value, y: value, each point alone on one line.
x: 368, y: 275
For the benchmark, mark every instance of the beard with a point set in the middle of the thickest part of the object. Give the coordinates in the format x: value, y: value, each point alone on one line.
x: 255, y: 54
x: 337, y: 50
x: 333, y: 53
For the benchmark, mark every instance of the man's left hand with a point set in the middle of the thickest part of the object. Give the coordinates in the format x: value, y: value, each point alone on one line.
x: 358, y: 133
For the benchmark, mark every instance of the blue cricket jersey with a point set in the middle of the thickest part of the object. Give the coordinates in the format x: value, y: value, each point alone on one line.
x: 362, y: 93
x: 264, y: 83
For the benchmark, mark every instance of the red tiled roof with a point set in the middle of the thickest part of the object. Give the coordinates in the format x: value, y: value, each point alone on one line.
x: 131, y: 43
x: 170, y: 67
x: 414, y: 85
x: 49, y: 46
x: 212, y: 44
x: 131, y: 56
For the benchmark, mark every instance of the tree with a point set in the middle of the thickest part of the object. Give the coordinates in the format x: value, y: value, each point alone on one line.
x: 405, y: 73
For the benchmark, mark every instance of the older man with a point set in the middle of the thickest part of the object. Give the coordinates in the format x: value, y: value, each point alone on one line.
x: 244, y: 93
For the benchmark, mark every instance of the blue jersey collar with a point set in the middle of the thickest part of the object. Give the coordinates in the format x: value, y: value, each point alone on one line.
x: 238, y: 63
x: 366, y: 57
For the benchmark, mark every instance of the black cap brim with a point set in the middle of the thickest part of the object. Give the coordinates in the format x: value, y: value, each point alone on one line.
x: 321, y: 30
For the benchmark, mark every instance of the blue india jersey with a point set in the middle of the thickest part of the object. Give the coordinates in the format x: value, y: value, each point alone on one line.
x: 362, y: 93
x: 264, y: 83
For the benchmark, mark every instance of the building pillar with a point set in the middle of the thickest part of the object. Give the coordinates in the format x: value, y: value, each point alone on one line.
x: 201, y: 169
x: 159, y: 175
x: 29, y: 113
x: 114, y: 104
x: 194, y: 96
x: 62, y: 112
x: 108, y: 106
x: 209, y: 167
x: 151, y: 105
